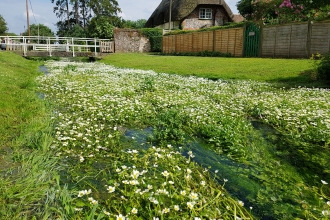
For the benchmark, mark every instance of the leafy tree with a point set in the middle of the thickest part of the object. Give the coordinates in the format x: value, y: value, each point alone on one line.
x: 138, y: 24
x: 101, y: 27
x: 77, y: 31
x: 86, y: 14
x: 3, y: 25
x: 39, y: 30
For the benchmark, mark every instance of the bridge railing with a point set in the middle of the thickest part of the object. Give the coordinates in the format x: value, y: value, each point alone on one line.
x: 53, y: 44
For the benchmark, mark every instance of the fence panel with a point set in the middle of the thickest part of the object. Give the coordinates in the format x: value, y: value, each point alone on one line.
x: 320, y: 38
x: 229, y: 41
x: 299, y: 40
x: 225, y: 41
x: 169, y: 44
x: 283, y: 41
x: 268, y: 41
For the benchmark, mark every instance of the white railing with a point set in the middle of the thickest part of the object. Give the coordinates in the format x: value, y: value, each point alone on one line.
x: 56, y: 44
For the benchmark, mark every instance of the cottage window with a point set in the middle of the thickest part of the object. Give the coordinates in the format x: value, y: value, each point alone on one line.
x: 205, y: 13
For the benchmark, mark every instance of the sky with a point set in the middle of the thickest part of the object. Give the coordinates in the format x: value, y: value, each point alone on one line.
x: 41, y: 12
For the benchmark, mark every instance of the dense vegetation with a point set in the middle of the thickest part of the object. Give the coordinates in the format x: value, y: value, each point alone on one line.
x: 146, y: 144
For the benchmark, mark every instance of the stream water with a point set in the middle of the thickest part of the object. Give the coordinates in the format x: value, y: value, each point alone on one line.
x: 239, y: 185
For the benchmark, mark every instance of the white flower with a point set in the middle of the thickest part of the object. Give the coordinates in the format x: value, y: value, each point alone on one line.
x: 193, y: 196
x: 120, y: 217
x: 81, y: 158
x: 324, y: 182
x: 189, y: 171
x: 106, y: 213
x: 111, y: 189
x: 134, y: 211
x: 240, y: 203
x: 190, y: 205
x: 135, y: 174
x: 325, y: 212
x: 165, y: 173
x: 203, y: 183
x: 183, y: 192
x: 176, y: 208
x: 166, y: 210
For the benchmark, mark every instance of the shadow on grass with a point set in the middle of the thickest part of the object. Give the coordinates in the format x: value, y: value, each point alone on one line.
x: 307, y: 78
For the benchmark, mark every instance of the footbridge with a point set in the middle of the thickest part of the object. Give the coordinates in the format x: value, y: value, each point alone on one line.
x: 57, y: 46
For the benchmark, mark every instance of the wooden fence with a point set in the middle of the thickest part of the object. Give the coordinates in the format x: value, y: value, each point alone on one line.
x: 297, y: 40
x: 224, y: 41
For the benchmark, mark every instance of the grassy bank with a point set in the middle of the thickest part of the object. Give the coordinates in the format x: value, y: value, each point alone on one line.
x: 284, y: 72
x: 27, y: 170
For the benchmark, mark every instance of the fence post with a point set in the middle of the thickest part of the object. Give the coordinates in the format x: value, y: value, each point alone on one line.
x: 72, y: 43
x: 49, y: 47
x: 95, y: 47
x: 309, y: 35
x: 24, y: 46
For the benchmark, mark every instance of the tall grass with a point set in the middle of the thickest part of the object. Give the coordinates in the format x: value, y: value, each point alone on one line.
x: 28, y: 171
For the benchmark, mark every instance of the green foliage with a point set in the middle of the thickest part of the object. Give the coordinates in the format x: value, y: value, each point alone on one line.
x: 226, y: 26
x: 101, y: 27
x: 323, y: 69
x: 3, y: 26
x: 138, y: 24
x: 283, y: 11
x: 321, y: 13
x: 77, y: 31
x: 39, y: 30
x: 312, y: 4
x: 155, y: 37
x: 97, y: 16
x: 205, y: 53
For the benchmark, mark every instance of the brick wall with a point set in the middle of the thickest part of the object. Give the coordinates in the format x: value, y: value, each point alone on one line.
x: 130, y: 40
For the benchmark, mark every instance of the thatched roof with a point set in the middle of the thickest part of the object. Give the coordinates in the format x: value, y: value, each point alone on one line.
x: 181, y: 9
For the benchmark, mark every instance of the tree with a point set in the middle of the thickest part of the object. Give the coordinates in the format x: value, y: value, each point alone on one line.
x: 138, y: 24
x: 85, y: 13
x: 39, y: 30
x: 3, y: 25
x: 101, y: 27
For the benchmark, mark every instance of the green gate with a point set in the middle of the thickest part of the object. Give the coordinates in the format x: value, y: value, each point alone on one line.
x: 252, y: 39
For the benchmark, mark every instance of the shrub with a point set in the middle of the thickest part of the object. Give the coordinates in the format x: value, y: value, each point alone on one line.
x: 155, y: 37
x: 205, y: 53
x: 323, y: 68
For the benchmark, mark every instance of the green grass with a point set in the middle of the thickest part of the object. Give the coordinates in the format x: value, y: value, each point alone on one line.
x: 283, y: 72
x: 27, y: 170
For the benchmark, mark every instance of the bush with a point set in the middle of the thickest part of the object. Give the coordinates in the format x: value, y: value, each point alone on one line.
x: 155, y: 37
x: 205, y: 53
x: 323, y: 68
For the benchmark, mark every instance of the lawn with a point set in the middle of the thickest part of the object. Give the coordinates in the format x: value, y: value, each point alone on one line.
x: 286, y: 72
